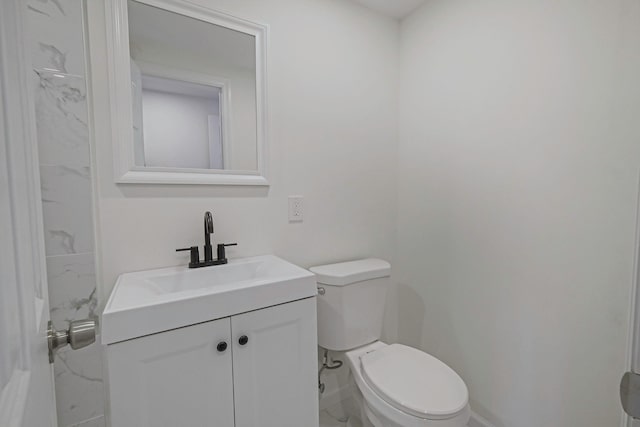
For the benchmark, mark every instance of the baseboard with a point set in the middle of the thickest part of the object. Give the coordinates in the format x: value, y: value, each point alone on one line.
x: 477, y: 421
x: 334, y: 397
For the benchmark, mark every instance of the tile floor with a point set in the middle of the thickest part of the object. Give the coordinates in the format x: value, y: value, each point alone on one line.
x: 339, y: 414
x: 346, y: 414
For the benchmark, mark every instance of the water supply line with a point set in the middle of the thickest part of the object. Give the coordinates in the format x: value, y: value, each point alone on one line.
x: 327, y: 363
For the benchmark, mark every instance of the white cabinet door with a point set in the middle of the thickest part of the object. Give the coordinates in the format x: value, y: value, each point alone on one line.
x: 275, y: 370
x: 174, y: 378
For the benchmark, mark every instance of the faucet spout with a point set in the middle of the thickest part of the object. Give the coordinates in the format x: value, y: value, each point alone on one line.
x: 208, y: 250
x: 208, y: 230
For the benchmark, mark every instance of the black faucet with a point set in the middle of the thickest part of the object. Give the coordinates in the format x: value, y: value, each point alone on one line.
x: 208, y: 229
x: 208, y: 250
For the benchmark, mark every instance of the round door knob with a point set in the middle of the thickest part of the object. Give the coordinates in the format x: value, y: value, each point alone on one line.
x: 81, y: 333
x: 222, y: 346
x: 243, y: 340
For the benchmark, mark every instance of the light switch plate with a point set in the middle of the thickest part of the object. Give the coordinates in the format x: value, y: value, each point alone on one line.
x: 296, y: 209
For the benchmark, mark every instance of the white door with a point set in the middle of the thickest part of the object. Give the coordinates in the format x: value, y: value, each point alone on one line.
x: 26, y: 380
x: 181, y: 377
x: 275, y: 366
x: 630, y: 385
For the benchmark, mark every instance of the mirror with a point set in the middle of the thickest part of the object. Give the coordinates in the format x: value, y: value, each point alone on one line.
x: 195, y: 95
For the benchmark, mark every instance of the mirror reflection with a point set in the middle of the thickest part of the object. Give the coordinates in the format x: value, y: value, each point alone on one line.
x: 194, y: 92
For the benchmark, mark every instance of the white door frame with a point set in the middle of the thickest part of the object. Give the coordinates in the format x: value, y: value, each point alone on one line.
x: 27, y: 397
x: 633, y: 338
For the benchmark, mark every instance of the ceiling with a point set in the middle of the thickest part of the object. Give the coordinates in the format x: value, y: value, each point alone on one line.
x: 394, y: 8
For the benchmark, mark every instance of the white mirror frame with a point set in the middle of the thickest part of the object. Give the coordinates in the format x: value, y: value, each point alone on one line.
x: 118, y: 60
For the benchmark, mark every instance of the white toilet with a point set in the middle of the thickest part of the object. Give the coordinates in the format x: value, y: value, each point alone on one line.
x: 395, y: 385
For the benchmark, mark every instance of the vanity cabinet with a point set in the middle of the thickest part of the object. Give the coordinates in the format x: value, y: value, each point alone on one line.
x: 275, y: 372
x: 174, y: 378
x: 255, y: 369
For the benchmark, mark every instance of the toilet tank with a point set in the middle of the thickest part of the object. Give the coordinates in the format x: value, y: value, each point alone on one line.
x: 351, y: 300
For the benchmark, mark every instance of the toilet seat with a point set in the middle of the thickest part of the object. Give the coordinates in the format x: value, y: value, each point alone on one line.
x: 386, y: 414
x: 414, y: 382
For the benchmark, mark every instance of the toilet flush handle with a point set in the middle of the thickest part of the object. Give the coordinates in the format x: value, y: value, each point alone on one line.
x: 321, y: 290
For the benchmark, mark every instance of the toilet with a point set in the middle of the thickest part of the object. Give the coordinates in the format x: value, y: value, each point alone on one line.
x: 394, y: 385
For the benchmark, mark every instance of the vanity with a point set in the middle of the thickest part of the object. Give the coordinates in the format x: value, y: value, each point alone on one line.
x: 229, y: 345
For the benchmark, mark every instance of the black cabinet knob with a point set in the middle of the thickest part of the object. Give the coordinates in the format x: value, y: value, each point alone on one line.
x: 243, y: 340
x: 222, y: 346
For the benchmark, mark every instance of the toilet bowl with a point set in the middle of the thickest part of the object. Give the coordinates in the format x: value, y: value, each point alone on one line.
x: 398, y: 395
x: 394, y: 385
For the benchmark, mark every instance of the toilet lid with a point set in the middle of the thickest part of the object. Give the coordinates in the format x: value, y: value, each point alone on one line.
x: 414, y: 382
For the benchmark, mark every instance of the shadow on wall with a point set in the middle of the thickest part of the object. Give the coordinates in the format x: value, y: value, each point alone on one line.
x: 414, y: 330
x: 191, y: 191
x: 411, y: 317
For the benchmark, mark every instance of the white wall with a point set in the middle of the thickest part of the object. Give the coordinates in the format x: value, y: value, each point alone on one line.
x: 518, y: 170
x: 243, y: 123
x: 176, y: 129
x: 332, y: 130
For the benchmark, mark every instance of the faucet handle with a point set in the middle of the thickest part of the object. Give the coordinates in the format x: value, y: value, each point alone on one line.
x: 195, y: 255
x: 221, y: 252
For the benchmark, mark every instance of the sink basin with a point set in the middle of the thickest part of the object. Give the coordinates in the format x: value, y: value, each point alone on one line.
x: 152, y: 301
x: 229, y: 275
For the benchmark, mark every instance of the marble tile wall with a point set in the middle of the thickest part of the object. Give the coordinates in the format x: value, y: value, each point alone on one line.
x: 57, y: 51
